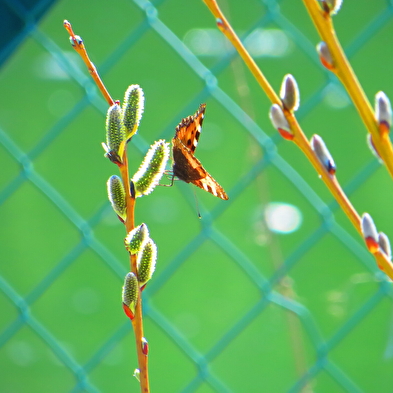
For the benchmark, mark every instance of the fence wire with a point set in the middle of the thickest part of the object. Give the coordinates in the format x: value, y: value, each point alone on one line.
x: 271, y: 291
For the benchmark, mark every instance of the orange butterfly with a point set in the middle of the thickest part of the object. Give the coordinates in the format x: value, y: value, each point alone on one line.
x: 186, y: 166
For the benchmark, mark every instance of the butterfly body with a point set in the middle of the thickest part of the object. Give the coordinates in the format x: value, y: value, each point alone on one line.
x: 186, y: 166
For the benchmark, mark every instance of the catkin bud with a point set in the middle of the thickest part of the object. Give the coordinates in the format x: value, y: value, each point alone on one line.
x: 383, y: 111
x: 145, y: 346
x: 325, y: 56
x: 136, y: 238
x: 280, y: 122
x: 152, y: 168
x: 384, y: 244
x: 115, y: 131
x: 289, y: 93
x: 133, y: 105
x: 331, y: 6
x: 117, y: 196
x: 146, y: 261
x: 323, y: 154
x: 130, y: 294
x: 370, y: 233
x: 76, y: 41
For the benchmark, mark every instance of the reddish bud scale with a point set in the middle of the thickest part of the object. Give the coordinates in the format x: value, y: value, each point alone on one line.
x: 145, y: 346
x: 372, y: 245
x: 285, y: 134
x: 113, y: 157
x: 322, y: 153
x: 325, y: 56
x: 326, y: 64
x: 384, y: 127
x: 279, y: 121
x: 325, y: 7
x: 331, y: 167
x: 331, y: 6
x: 128, y: 311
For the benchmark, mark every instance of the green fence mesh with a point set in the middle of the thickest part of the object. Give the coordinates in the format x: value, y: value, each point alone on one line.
x: 271, y: 291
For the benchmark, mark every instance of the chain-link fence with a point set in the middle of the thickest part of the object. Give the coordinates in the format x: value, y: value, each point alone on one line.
x: 271, y: 291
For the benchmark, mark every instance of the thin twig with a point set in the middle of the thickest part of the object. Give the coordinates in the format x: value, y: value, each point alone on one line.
x: 227, y: 30
x: 79, y: 47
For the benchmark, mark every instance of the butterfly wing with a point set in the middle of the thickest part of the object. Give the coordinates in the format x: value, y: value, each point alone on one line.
x: 210, y: 185
x: 189, y: 169
x: 189, y: 129
x: 185, y: 165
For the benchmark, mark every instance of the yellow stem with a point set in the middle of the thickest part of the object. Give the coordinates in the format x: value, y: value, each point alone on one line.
x: 137, y: 322
x: 81, y: 50
x: 227, y: 30
x: 299, y: 137
x: 331, y: 182
x: 342, y: 68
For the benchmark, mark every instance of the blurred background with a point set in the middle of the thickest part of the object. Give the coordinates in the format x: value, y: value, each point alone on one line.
x: 270, y: 291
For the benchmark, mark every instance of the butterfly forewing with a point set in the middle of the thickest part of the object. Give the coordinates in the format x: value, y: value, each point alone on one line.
x: 190, y: 128
x: 187, y: 167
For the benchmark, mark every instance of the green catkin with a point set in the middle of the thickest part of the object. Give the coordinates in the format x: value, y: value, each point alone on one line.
x: 117, y: 196
x: 152, y: 168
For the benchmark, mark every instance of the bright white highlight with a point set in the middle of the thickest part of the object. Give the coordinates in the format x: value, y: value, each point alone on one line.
x: 282, y: 217
x: 259, y: 43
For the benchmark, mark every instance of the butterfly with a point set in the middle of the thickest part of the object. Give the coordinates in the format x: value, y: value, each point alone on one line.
x: 186, y: 166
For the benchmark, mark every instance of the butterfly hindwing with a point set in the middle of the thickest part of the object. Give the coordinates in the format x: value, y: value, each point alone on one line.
x: 210, y: 185
x: 186, y: 166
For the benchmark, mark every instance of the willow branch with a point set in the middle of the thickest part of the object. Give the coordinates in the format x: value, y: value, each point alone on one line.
x: 342, y: 68
x: 299, y: 137
x: 137, y: 321
x: 79, y: 47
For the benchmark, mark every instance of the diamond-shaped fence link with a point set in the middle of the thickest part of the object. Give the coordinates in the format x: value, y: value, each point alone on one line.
x: 270, y: 291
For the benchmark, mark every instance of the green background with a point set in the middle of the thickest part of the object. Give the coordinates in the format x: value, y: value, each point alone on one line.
x: 232, y: 307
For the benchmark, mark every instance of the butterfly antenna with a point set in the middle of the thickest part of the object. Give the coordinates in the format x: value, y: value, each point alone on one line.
x: 197, y: 205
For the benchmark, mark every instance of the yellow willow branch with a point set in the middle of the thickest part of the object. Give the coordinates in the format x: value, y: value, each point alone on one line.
x: 299, y: 137
x: 79, y: 47
x: 137, y: 321
x: 342, y: 68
